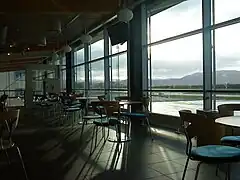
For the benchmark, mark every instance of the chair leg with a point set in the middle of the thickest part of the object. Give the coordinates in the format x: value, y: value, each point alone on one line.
x: 217, y: 168
x: 93, y: 135
x: 228, y: 173
x: 6, y: 153
x: 197, y: 171
x: 149, y: 128
x: 185, y: 168
x: 20, y: 156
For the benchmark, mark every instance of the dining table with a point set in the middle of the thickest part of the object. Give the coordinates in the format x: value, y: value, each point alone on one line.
x: 231, y: 121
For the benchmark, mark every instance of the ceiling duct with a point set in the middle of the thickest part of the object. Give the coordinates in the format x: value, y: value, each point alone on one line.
x: 42, y: 42
x: 55, y: 26
x: 3, y: 35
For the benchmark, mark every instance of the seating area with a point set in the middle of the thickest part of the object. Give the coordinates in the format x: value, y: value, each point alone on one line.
x: 119, y: 89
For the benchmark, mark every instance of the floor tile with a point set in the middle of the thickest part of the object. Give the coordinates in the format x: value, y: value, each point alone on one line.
x: 168, y: 167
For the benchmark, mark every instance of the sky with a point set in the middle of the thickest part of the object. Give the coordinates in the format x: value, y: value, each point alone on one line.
x: 184, y: 56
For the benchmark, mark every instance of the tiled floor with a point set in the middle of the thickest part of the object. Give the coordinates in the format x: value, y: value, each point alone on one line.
x: 56, y: 153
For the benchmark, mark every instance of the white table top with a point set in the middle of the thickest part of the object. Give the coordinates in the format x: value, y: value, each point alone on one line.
x: 83, y: 98
x: 129, y: 102
x: 233, y: 121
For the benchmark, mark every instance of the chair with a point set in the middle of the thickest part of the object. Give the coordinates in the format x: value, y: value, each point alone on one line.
x: 8, y: 123
x: 105, y: 111
x: 142, y: 115
x: 209, y: 154
x: 228, y: 110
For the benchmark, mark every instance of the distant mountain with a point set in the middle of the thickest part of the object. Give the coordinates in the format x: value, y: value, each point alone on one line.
x: 222, y: 77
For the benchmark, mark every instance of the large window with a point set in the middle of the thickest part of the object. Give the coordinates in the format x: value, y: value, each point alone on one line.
x: 97, y: 75
x: 118, y: 71
x: 97, y: 49
x: 79, y: 77
x: 175, y: 67
x: 182, y: 18
x: 79, y: 57
x: 226, y: 10
x: 227, y: 63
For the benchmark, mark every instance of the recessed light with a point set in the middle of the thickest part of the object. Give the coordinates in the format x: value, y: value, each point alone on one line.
x: 28, y: 49
x: 8, y: 54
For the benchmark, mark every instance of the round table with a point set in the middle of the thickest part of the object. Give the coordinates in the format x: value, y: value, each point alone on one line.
x: 233, y: 121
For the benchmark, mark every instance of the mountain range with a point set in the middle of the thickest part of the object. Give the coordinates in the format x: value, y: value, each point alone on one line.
x: 222, y: 77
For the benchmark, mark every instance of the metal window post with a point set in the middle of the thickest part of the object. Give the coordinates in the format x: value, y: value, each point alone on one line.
x: 106, y: 64
x: 86, y: 59
x: 207, y: 54
x: 69, y: 72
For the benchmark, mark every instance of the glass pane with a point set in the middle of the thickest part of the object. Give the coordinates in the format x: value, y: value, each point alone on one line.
x: 97, y: 74
x: 184, y: 17
x: 119, y: 48
x: 97, y: 49
x: 79, y: 57
x: 177, y: 65
x: 171, y: 103
x: 119, y: 72
x: 80, y: 77
x: 63, y: 80
x: 226, y: 10
x: 227, y: 63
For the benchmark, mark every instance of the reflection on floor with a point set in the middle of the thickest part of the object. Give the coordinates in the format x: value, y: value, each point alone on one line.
x: 56, y: 153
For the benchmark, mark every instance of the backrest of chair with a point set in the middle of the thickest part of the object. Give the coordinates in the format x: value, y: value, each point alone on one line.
x: 192, y: 125
x: 228, y: 109
x: 122, y: 98
x: 111, y: 107
x: 101, y: 98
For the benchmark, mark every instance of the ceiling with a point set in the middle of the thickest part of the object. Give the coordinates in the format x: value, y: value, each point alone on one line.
x: 25, y: 26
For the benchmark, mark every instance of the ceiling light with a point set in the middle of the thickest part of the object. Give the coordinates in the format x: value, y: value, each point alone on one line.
x: 67, y: 49
x: 8, y: 54
x: 125, y: 15
x: 86, y: 38
x: 28, y: 49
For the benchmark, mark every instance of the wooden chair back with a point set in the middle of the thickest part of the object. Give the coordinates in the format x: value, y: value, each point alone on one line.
x: 228, y: 109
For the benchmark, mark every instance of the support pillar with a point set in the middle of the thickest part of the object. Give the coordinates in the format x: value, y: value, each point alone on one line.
x: 207, y: 54
x: 69, y: 72
x: 137, y: 68
x: 86, y: 59
x: 106, y: 64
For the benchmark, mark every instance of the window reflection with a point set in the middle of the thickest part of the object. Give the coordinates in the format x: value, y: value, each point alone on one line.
x: 97, y: 75
x: 182, y: 18
x: 119, y: 71
x: 97, y: 49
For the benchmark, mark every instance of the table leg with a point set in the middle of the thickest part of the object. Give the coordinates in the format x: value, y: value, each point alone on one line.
x: 119, y: 138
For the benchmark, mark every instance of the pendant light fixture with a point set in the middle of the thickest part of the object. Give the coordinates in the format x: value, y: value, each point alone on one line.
x: 86, y: 38
x: 124, y: 14
x: 67, y: 48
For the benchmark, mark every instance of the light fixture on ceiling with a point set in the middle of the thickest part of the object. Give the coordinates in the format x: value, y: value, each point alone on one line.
x: 125, y: 15
x: 67, y: 48
x: 86, y: 38
x: 8, y: 54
